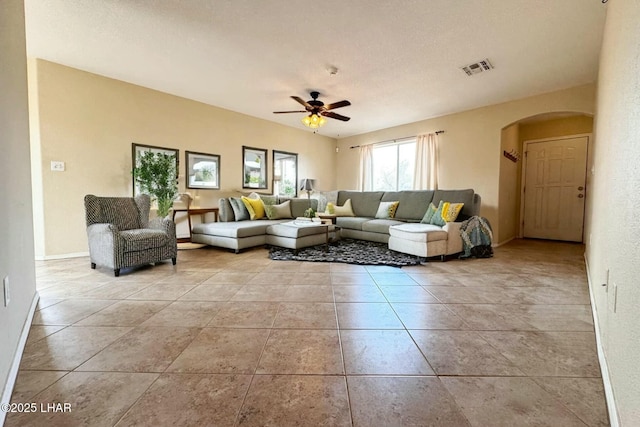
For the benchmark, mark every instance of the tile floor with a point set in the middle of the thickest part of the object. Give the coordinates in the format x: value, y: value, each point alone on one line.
x: 224, y: 339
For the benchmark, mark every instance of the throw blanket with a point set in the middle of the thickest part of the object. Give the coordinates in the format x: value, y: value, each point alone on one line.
x: 475, y: 232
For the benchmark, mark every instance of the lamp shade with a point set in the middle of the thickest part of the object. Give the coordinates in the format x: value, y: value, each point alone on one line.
x: 306, y: 184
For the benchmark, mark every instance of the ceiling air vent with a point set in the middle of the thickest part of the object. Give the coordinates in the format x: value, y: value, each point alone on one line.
x: 477, y: 67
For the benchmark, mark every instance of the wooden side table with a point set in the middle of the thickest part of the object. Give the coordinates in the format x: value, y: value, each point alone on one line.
x: 194, y: 211
x: 327, y: 218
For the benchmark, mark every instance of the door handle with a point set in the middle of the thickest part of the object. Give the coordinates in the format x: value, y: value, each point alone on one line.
x: 580, y: 196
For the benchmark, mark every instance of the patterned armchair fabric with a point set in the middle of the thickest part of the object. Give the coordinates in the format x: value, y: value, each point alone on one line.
x: 121, y: 234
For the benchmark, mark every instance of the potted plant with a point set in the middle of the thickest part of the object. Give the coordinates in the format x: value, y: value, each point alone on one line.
x: 155, y: 174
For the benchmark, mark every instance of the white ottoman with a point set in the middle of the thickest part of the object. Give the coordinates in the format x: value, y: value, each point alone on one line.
x: 423, y: 240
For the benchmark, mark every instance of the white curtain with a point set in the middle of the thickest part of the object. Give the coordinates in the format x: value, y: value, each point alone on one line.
x: 365, y: 177
x: 425, y: 175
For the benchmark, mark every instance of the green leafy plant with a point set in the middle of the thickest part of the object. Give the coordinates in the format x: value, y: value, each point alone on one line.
x: 155, y: 174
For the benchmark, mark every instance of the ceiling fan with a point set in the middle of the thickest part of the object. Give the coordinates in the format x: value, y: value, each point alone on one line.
x: 318, y: 110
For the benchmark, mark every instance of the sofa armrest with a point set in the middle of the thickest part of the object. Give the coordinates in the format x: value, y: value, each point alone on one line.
x: 454, y: 241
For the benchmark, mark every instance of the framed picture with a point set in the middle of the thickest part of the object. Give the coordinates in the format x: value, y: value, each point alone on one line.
x: 285, y: 173
x: 203, y: 170
x: 254, y: 166
x: 149, y: 155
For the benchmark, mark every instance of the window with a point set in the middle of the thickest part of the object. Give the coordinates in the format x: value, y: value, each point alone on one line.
x: 285, y: 173
x: 393, y: 166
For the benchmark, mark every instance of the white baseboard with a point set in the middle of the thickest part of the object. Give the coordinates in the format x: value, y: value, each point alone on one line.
x: 604, y: 368
x: 62, y: 256
x: 17, y: 357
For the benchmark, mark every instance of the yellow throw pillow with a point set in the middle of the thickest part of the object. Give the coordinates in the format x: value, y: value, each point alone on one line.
x: 254, y: 206
x: 450, y: 211
x: 344, y: 210
x: 330, y: 208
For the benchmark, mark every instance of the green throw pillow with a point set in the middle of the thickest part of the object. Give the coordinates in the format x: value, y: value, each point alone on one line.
x: 437, y: 219
x: 426, y: 219
x: 281, y: 211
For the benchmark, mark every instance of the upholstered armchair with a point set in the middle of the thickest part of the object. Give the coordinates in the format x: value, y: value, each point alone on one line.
x: 121, y: 234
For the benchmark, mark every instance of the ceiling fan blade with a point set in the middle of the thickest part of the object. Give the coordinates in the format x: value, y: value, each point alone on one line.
x: 302, y: 101
x: 285, y: 112
x: 335, y: 116
x: 337, y: 105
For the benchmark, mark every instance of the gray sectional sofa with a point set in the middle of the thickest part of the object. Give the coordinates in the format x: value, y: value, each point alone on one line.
x: 403, y: 233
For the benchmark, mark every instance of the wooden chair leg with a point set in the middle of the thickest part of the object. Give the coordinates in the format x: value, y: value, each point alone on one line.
x: 116, y: 272
x: 93, y: 265
x: 174, y: 260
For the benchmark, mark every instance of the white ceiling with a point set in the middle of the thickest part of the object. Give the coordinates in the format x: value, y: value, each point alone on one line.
x: 398, y: 60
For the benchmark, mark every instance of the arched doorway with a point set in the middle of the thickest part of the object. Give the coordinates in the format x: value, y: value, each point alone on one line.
x: 514, y: 138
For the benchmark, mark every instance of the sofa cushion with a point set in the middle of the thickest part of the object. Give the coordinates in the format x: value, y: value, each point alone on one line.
x: 418, y: 232
x: 254, y: 206
x: 142, y: 239
x: 458, y: 196
x: 344, y: 210
x: 225, y: 211
x: 281, y: 211
x: 431, y: 210
x: 437, y: 218
x: 413, y: 204
x: 295, y: 229
x: 379, y: 225
x: 387, y: 210
x: 351, y: 222
x: 300, y: 204
x: 365, y: 203
x: 235, y: 229
x: 120, y: 211
x: 240, y: 211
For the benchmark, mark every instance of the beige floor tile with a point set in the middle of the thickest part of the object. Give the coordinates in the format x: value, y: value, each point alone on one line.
x: 229, y: 278
x: 402, y: 401
x: 462, y: 353
x: 382, y: 353
x: 582, y: 396
x: 36, y: 332
x: 190, y: 400
x: 222, y: 351
x: 30, y: 383
x: 556, y: 317
x: 272, y: 278
x: 161, y: 292
x: 464, y: 294
x: 302, y: 352
x: 369, y: 315
x: 571, y: 354
x: 435, y: 279
x: 97, y: 399
x: 67, y: 349
x: 396, y: 293
x: 309, y: 293
x: 119, y: 290
x: 185, y: 313
x: 508, y: 402
x: 351, y: 279
x: 245, y: 315
x: 302, y: 277
x: 364, y: 293
x: 47, y: 302
x: 144, y: 349
x: 336, y: 267
x: 69, y: 311
x: 314, y: 267
x: 427, y: 316
x: 124, y: 313
x: 391, y: 279
x: 293, y: 315
x: 296, y: 400
x: 490, y: 317
x: 186, y: 278
x: 211, y: 293
x: 261, y: 293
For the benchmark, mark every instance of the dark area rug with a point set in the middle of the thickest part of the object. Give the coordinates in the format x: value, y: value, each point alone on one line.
x: 347, y: 251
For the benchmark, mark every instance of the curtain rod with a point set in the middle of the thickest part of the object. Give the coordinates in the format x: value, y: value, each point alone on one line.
x: 438, y: 132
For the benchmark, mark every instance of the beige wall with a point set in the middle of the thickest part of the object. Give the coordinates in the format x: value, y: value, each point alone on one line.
x: 16, y: 231
x: 509, y: 189
x: 613, y: 228
x: 470, y: 147
x: 89, y: 122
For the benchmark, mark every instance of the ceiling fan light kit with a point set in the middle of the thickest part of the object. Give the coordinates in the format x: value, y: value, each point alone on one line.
x: 317, y: 111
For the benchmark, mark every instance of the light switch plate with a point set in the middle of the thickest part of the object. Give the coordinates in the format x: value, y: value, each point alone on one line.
x: 57, y: 166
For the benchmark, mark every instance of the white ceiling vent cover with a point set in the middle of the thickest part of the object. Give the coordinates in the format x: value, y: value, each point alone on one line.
x: 477, y: 67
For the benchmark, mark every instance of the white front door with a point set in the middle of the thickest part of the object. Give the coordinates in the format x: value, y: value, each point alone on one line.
x: 555, y: 177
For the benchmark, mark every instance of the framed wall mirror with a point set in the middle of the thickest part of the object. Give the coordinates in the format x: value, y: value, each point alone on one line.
x: 285, y: 173
x: 203, y: 170
x: 254, y: 166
